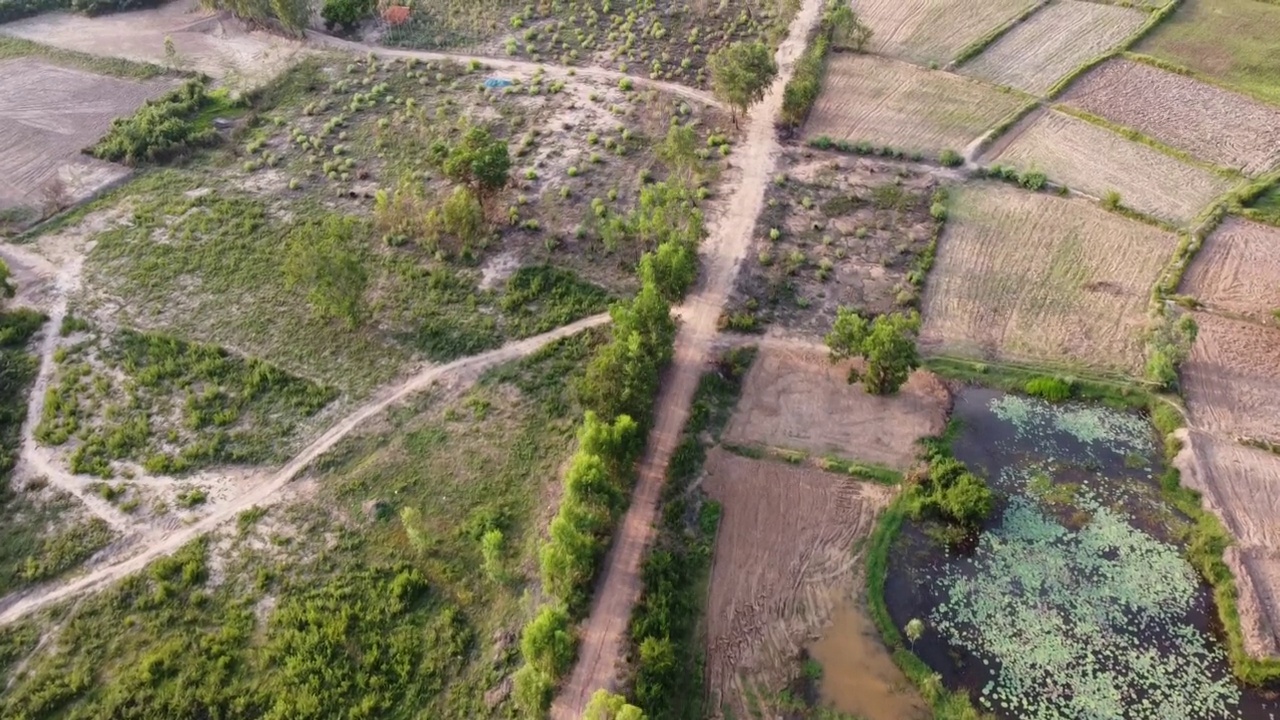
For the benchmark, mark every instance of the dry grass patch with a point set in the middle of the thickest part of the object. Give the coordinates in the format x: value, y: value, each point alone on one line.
x: 1213, y: 124
x: 794, y: 397
x: 1238, y: 270
x: 1054, y: 41
x: 783, y: 565
x: 927, y: 31
x: 1232, y: 380
x: 1023, y: 276
x: 885, y: 102
x: 1090, y: 158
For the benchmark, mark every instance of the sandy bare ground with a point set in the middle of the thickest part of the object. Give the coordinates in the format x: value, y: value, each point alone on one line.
x: 1241, y: 485
x: 1057, y: 39
x: 267, y: 490
x: 47, y: 116
x: 1212, y: 124
x: 1036, y: 277
x: 887, y: 102
x: 604, y: 635
x: 1232, y: 379
x: 205, y: 41
x: 1237, y: 270
x: 925, y: 31
x: 794, y: 397
x: 1094, y: 160
x: 784, y: 562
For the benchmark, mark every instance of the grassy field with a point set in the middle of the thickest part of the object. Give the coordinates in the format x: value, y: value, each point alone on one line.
x: 395, y: 591
x: 867, y: 99
x: 933, y: 31
x: 1034, y: 277
x: 1230, y: 41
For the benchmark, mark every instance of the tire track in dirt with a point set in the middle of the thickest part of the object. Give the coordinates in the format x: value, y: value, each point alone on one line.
x: 604, y: 640
x: 268, y: 492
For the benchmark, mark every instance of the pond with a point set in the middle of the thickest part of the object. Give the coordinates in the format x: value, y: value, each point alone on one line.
x: 1076, y: 602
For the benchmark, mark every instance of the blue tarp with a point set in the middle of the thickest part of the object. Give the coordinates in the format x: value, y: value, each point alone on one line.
x: 494, y: 82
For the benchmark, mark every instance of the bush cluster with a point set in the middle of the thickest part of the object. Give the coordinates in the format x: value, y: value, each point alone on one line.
x: 163, y: 128
x: 667, y: 223
x: 952, y: 493
x: 17, y: 9
x: 805, y: 85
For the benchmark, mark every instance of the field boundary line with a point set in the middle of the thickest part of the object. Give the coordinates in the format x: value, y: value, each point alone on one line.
x: 1155, y: 17
x: 1138, y: 136
x: 977, y: 47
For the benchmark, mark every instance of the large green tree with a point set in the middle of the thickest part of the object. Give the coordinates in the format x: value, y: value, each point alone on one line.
x: 741, y: 74
x: 887, y: 344
x: 480, y: 161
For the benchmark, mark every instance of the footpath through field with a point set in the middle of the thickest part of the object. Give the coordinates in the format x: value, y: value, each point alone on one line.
x: 604, y: 636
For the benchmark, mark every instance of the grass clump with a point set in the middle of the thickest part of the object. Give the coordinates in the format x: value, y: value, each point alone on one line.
x: 1049, y: 388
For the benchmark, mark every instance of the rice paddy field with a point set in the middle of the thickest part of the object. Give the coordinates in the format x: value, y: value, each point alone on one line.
x: 933, y: 31
x: 1228, y: 41
x: 1057, y: 39
x: 890, y: 103
x: 1097, y: 161
x: 1039, y: 278
x: 1076, y: 600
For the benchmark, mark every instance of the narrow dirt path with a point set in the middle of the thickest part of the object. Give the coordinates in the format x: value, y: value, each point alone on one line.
x: 524, y: 67
x: 268, y: 492
x: 604, y: 636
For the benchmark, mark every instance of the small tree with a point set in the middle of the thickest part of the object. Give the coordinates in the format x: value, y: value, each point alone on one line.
x: 604, y: 705
x: 887, y: 344
x: 346, y: 14
x: 479, y: 161
x: 848, y: 32
x: 548, y: 642
x: 915, y: 629
x: 741, y: 74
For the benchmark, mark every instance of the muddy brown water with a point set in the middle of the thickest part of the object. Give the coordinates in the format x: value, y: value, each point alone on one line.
x: 858, y: 675
x: 990, y: 445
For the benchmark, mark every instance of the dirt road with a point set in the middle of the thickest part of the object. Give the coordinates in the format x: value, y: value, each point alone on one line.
x: 267, y: 492
x: 604, y: 637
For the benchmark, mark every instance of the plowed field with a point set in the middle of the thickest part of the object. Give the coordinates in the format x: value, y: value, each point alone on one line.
x: 1212, y: 124
x: 784, y: 563
x: 884, y: 102
x: 1026, y: 276
x: 1054, y: 41
x: 1238, y: 270
x: 1086, y: 157
x: 926, y: 31
x: 1232, y: 380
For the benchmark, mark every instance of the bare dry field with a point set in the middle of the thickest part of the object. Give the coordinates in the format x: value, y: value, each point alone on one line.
x: 886, y: 102
x: 925, y: 31
x: 794, y: 397
x: 1212, y: 124
x: 1086, y: 157
x: 1027, y: 276
x: 47, y: 116
x: 784, y: 563
x: 205, y: 42
x: 1238, y: 270
x: 1232, y: 379
x: 1241, y: 485
x: 1057, y: 39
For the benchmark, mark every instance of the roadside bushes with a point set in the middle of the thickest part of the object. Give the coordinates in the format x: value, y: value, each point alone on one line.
x: 801, y: 92
x: 161, y: 129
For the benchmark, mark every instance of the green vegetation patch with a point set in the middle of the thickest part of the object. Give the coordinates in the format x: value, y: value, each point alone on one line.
x: 12, y: 47
x: 1231, y: 41
x: 171, y: 405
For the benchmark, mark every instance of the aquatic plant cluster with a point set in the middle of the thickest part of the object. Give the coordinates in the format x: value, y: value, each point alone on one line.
x: 1097, y: 430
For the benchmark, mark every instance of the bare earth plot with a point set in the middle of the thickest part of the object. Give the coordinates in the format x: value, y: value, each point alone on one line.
x: 1241, y: 485
x: 794, y: 397
x: 1238, y: 270
x: 1057, y: 39
x: 1086, y: 157
x: 1212, y: 124
x: 48, y: 114
x: 784, y: 562
x: 925, y: 31
x: 1029, y: 276
x: 886, y: 102
x: 1232, y: 379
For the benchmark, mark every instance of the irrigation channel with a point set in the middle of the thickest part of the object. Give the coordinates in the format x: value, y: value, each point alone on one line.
x: 1076, y: 600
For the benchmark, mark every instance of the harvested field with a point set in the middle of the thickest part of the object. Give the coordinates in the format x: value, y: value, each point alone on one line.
x: 1212, y: 124
x: 1232, y: 379
x: 49, y: 114
x: 1238, y: 270
x: 1026, y: 276
x: 794, y: 397
x: 1241, y: 485
x: 1086, y: 157
x: 885, y: 102
x: 925, y: 31
x: 1231, y: 41
x: 784, y: 563
x: 1057, y: 39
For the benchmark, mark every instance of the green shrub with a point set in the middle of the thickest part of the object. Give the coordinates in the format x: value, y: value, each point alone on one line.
x: 1033, y: 180
x: 346, y: 14
x: 951, y: 158
x: 161, y: 129
x: 548, y: 643
x: 1051, y: 389
x: 952, y: 493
